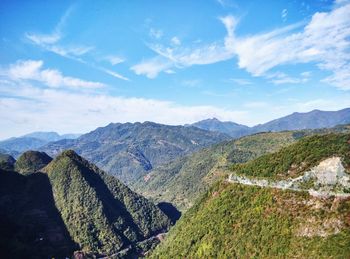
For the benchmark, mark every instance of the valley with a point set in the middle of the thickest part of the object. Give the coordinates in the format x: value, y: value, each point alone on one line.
x: 83, y: 211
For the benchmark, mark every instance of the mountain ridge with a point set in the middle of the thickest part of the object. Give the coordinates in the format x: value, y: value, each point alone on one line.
x: 296, y: 121
x: 238, y: 219
x: 71, y: 205
x: 130, y: 150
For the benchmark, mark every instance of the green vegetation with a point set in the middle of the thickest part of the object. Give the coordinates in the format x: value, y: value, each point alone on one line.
x: 31, y: 162
x: 30, y: 224
x: 101, y: 214
x: 241, y: 221
x: 236, y: 221
x: 295, y: 159
x: 72, y: 205
x: 182, y: 181
x: 130, y: 150
x: 7, y: 162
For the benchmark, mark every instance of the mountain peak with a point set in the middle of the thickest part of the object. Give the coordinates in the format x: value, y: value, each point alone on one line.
x: 32, y: 161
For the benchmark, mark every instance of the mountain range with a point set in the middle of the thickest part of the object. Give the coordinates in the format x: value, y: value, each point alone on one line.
x: 315, y: 119
x: 34, y: 140
x: 69, y: 205
x: 182, y: 181
x: 287, y: 189
x: 130, y: 150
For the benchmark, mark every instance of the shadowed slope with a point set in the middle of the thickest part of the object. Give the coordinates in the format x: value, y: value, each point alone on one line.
x: 101, y: 214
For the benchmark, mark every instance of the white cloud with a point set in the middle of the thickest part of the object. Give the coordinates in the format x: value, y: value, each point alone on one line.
x: 278, y: 78
x: 191, y: 82
x: 154, y: 33
x: 33, y: 70
x: 41, y: 39
x: 115, y: 74
x: 169, y: 71
x: 175, y: 41
x: 240, y: 81
x: 114, y: 60
x: 62, y: 111
x: 50, y: 42
x: 25, y: 108
x: 152, y: 67
x: 323, y: 41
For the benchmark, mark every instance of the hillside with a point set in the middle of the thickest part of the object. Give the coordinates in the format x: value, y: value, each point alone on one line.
x: 31, y: 162
x: 7, y: 162
x: 130, y: 150
x: 182, y: 181
x: 72, y: 205
x: 315, y: 119
x: 245, y: 221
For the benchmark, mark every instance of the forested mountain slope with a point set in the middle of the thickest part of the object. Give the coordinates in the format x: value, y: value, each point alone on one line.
x: 244, y: 221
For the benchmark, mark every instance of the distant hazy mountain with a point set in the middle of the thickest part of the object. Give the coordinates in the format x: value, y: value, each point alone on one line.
x: 31, y: 141
x: 130, y: 150
x: 50, y: 136
x: 233, y: 129
x: 72, y: 205
x: 315, y: 119
x: 309, y: 120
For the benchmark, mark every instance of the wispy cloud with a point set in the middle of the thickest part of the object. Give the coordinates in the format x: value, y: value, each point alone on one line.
x: 156, y: 33
x: 278, y: 78
x: 51, y: 42
x: 175, y: 41
x: 114, y: 60
x: 33, y: 70
x: 115, y: 74
x: 323, y: 41
x: 240, y: 81
x: 152, y: 67
x: 191, y: 82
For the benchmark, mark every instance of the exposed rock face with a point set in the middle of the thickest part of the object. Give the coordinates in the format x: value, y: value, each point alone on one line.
x: 327, y: 178
x: 331, y: 172
x: 314, y: 227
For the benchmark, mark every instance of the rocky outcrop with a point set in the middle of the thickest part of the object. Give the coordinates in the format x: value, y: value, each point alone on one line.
x: 328, y: 178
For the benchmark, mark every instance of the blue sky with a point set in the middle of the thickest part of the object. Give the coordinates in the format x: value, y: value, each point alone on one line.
x: 74, y: 66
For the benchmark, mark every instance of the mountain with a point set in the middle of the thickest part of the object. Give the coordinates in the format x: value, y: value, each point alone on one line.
x: 130, y: 150
x: 31, y: 162
x: 249, y: 216
x: 31, y: 141
x: 232, y: 129
x: 315, y: 119
x: 50, y: 136
x: 7, y: 162
x: 309, y: 120
x: 72, y: 205
x: 21, y: 144
x: 183, y: 180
